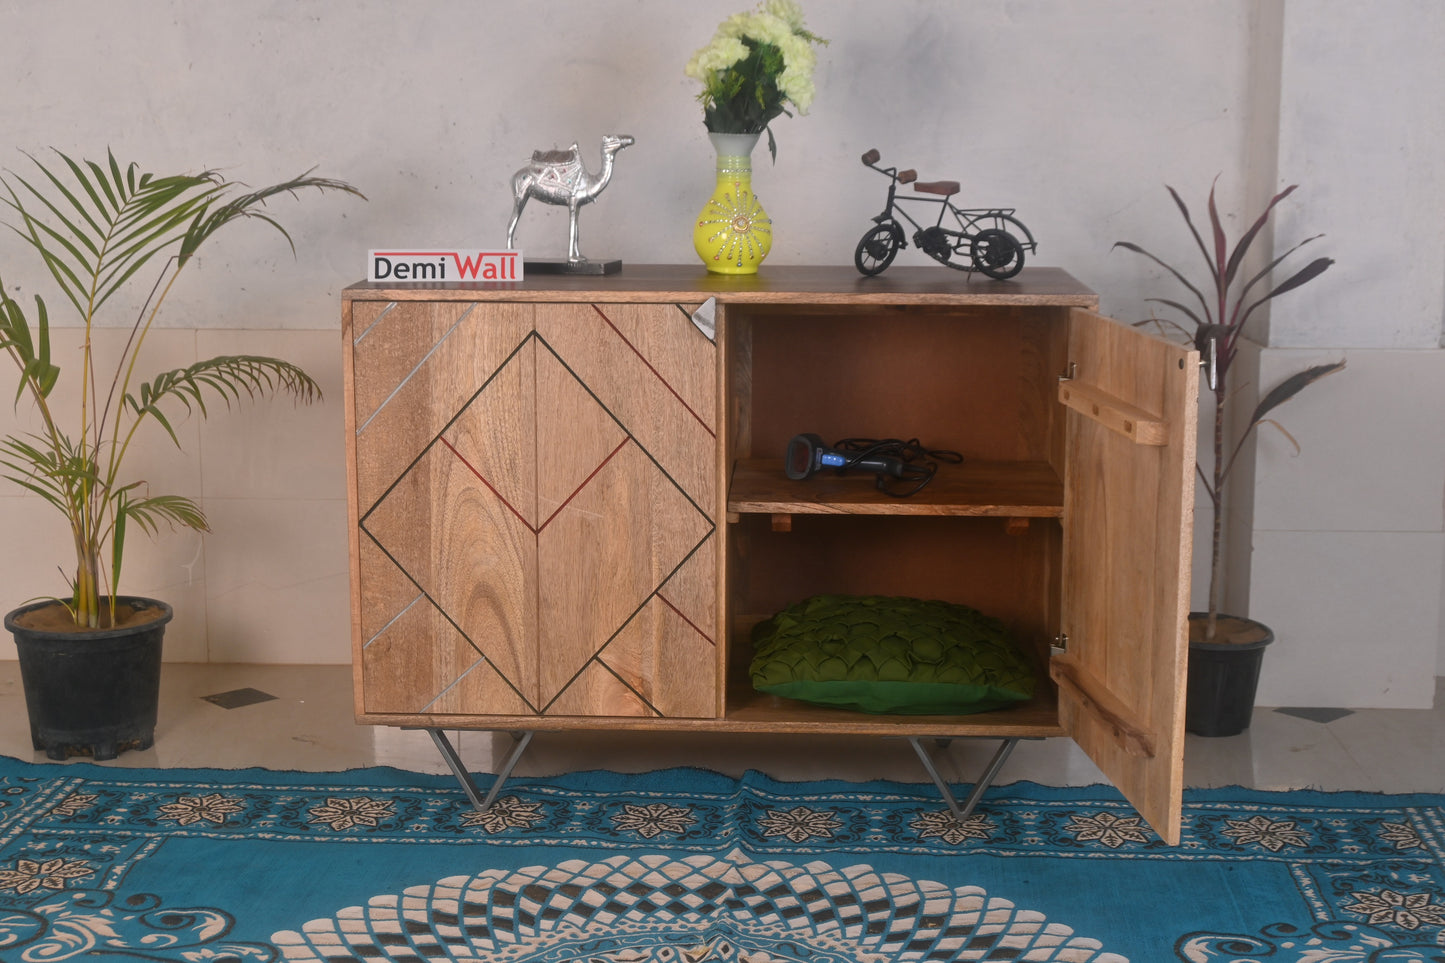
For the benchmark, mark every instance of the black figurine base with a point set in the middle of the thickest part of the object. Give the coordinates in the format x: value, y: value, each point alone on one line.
x: 557, y: 265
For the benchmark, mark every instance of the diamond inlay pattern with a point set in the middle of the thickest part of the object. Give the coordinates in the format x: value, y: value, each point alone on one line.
x: 471, y: 553
x: 558, y: 564
x: 603, y: 555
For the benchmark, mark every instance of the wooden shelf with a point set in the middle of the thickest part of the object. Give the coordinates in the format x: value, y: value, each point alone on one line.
x: 978, y: 488
x: 779, y: 284
x: 754, y: 711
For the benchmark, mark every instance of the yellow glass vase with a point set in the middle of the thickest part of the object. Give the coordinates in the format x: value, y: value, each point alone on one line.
x: 733, y: 233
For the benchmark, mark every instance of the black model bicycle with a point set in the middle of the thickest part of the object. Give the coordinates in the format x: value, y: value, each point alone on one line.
x: 989, y: 239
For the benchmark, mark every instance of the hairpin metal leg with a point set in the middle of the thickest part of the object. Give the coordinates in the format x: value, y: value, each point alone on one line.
x: 469, y: 785
x: 985, y: 779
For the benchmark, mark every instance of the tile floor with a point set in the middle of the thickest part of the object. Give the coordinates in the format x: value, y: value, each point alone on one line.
x: 308, y: 726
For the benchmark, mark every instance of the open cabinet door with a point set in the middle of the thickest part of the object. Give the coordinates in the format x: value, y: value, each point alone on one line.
x: 1128, y: 522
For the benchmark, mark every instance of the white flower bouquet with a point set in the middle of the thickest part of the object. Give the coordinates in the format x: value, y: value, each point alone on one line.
x: 757, y: 64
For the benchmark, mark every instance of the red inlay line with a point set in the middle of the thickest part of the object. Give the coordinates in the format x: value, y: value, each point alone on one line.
x: 685, y: 618
x: 584, y: 484
x: 480, y: 477
x: 655, y: 373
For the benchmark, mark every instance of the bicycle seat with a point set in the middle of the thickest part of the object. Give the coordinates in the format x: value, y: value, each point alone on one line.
x: 946, y: 188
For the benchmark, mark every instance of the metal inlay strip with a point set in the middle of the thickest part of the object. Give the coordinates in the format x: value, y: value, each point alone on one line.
x: 384, y: 312
x: 413, y: 371
x: 392, y: 621
x: 481, y: 660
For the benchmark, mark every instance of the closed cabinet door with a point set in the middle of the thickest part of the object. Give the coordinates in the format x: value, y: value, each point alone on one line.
x: 535, y: 504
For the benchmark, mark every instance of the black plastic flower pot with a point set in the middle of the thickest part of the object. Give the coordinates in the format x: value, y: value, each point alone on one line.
x: 1224, y: 675
x: 92, y: 692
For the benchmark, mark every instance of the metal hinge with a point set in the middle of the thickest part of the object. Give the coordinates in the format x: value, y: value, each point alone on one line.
x: 1210, y: 363
x: 1059, y: 644
x: 1071, y: 373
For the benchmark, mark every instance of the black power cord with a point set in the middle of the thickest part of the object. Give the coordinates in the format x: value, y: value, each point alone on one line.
x: 909, y: 462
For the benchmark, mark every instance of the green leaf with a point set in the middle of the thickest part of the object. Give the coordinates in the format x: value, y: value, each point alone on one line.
x: 207, y: 223
x: 41, y: 374
x: 227, y: 378
x: 149, y: 407
x: 51, y: 476
x: 79, y: 174
x: 100, y: 180
x: 97, y: 227
x: 171, y: 510
x: 102, y: 231
x: 16, y: 331
x: 120, y: 181
x: 117, y: 542
x: 67, y: 275
x: 31, y: 352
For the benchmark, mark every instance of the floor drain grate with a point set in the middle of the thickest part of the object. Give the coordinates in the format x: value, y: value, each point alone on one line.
x: 238, y: 697
x: 1316, y: 715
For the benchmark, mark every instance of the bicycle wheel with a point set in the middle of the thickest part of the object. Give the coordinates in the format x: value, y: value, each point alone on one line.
x: 997, y: 254
x: 876, y: 251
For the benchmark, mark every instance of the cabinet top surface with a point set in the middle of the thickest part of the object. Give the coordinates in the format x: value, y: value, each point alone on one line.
x: 773, y: 285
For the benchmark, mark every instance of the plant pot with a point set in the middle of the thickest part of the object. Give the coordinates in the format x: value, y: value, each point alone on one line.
x: 92, y: 692
x: 1223, y: 674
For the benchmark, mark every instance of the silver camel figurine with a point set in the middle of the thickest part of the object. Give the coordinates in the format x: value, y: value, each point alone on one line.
x: 559, y: 177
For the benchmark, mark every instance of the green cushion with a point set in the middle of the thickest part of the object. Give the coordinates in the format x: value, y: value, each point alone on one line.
x: 895, y: 655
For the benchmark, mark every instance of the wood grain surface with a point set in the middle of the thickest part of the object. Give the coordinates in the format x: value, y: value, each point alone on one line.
x: 783, y: 284
x: 534, y: 491
x: 570, y: 508
x: 1126, y: 552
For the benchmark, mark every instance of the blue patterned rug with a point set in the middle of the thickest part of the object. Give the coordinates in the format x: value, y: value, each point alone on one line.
x: 686, y: 866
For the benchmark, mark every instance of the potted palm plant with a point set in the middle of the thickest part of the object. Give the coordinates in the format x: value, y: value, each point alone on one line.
x: 90, y: 659
x: 1225, y: 651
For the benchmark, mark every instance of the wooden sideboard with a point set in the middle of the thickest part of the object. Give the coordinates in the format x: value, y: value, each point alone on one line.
x: 568, y: 505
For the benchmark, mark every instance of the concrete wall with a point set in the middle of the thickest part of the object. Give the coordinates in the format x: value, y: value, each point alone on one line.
x: 1077, y: 114
x: 1346, y: 533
